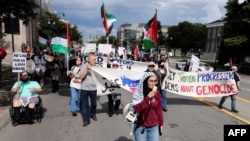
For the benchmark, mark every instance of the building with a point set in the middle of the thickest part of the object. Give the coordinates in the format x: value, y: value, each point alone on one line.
x: 214, y: 32
x: 133, y: 31
x: 23, y: 34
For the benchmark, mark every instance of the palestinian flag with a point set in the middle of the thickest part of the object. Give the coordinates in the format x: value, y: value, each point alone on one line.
x: 108, y: 20
x: 61, y: 43
x: 42, y: 39
x: 150, y: 33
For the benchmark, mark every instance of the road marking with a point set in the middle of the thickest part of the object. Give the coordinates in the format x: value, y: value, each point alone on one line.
x: 214, y: 105
x: 243, y: 99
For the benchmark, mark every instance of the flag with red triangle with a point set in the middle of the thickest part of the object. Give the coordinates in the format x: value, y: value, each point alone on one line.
x: 150, y: 33
x: 108, y: 20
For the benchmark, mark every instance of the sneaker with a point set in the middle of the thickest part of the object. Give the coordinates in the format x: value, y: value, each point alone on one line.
x: 15, y: 123
x: 74, y: 114
x: 220, y: 107
x: 235, y: 111
x: 165, y: 110
x: 110, y: 114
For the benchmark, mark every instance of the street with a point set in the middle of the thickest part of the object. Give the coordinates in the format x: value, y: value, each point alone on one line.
x: 187, y: 119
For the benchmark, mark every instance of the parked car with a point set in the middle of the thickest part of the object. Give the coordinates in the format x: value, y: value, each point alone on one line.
x: 203, y: 67
x: 181, y: 64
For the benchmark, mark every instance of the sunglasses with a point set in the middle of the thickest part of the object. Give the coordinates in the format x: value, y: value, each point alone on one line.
x: 115, y: 65
x: 151, y: 66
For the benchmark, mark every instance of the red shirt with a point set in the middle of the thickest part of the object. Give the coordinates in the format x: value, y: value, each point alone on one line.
x: 151, y: 111
x: 136, y: 51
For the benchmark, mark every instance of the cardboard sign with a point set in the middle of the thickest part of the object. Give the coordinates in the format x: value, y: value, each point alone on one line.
x: 19, y: 62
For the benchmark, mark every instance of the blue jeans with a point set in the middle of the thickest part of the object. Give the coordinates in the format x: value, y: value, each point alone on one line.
x: 233, y: 101
x: 164, y: 99
x: 149, y: 134
x: 75, y: 99
x: 86, y: 110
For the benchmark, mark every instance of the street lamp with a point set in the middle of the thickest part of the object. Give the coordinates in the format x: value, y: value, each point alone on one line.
x: 217, y: 51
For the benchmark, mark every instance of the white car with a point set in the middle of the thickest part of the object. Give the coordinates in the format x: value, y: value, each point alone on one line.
x: 181, y: 64
x: 204, y: 67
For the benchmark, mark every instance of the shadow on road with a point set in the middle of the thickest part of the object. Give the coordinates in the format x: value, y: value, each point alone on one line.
x: 183, y: 101
x: 123, y: 139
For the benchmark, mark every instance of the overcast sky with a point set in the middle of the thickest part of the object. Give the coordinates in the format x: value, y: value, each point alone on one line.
x: 86, y: 13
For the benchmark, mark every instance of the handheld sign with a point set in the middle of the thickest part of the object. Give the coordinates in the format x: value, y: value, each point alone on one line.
x: 18, y: 65
x: 19, y: 62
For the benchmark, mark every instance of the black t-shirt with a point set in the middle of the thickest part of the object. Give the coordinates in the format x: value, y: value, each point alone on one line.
x: 236, y: 77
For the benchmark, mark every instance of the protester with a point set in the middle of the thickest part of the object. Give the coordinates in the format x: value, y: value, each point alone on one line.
x: 55, y: 73
x: 233, y: 96
x: 136, y: 52
x: 115, y: 97
x: 75, y: 87
x: 147, y: 103
x: 40, y: 67
x: 124, y: 56
x: 109, y: 59
x: 25, y: 89
x: 88, y: 90
x: 151, y: 68
x: 30, y: 65
x: 187, y: 65
x: 161, y: 74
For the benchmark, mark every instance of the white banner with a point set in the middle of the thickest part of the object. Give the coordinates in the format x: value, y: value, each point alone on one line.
x: 120, y: 50
x: 104, y: 48
x: 194, y: 64
x: 89, y: 47
x: 202, y: 84
x: 115, y: 80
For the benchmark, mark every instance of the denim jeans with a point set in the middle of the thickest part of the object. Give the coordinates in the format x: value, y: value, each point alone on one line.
x: 164, y: 99
x: 88, y: 110
x: 75, y: 99
x: 233, y: 101
x: 149, y: 134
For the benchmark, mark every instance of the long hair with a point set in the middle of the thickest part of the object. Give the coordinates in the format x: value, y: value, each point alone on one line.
x: 146, y: 89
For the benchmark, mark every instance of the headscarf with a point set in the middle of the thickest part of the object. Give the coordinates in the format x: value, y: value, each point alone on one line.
x: 138, y: 94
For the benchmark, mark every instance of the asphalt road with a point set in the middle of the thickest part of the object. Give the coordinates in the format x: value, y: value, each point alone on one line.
x: 187, y: 119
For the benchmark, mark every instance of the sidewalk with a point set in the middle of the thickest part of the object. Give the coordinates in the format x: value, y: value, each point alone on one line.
x: 7, y: 80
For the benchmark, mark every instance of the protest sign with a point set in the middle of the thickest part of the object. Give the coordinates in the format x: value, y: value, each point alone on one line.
x: 19, y: 62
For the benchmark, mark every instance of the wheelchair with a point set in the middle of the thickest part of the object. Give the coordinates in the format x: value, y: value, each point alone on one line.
x: 37, y: 114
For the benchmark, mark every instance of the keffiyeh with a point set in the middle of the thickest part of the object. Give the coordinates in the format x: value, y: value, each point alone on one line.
x: 138, y: 94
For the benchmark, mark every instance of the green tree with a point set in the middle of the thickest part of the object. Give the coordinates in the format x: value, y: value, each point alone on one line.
x: 50, y: 24
x: 187, y: 36
x: 75, y: 35
x: 22, y: 9
x: 236, y: 34
x: 162, y: 40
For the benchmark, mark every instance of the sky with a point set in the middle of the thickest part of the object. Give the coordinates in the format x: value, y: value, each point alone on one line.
x: 86, y: 13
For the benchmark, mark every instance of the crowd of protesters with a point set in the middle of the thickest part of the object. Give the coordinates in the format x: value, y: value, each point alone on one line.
x: 44, y: 66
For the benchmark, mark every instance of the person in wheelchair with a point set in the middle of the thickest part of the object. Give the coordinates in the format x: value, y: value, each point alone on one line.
x: 26, y: 95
